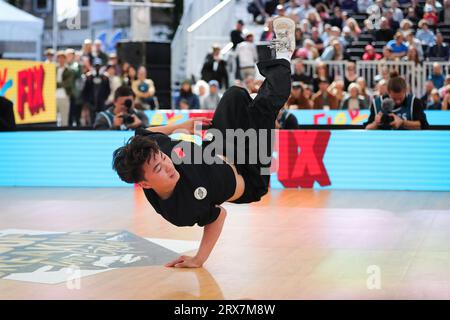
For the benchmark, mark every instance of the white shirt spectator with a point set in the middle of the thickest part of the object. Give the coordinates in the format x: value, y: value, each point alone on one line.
x: 248, y: 56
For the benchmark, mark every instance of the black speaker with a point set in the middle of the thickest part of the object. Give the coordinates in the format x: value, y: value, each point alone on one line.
x: 156, y: 57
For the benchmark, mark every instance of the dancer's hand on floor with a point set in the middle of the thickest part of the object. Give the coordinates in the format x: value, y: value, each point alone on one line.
x: 185, y: 262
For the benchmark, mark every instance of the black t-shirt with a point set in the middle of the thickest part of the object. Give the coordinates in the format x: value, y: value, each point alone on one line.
x: 200, y: 188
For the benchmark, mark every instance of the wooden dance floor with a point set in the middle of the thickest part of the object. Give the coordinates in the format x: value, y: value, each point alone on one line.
x: 294, y: 244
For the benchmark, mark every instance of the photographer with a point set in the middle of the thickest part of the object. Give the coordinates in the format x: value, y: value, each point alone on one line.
x: 397, y: 110
x: 121, y: 115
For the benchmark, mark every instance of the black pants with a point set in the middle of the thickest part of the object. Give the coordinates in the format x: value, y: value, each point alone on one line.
x: 237, y: 110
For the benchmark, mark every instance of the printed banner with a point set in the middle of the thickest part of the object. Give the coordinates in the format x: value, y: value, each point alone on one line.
x: 31, y: 86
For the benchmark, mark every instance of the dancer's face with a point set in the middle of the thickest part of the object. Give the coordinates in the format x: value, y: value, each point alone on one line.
x: 159, y: 173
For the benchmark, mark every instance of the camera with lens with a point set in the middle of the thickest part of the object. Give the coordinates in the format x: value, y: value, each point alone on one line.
x: 386, y: 108
x: 127, y: 117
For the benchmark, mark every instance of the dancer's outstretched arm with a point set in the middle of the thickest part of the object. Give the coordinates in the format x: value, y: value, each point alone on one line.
x: 211, y: 233
x: 188, y: 125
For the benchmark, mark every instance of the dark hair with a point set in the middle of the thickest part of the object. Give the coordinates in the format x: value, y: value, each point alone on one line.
x: 396, y: 83
x: 123, y: 91
x: 129, y: 159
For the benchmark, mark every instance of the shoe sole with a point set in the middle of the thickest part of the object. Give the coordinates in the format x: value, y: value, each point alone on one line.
x: 284, y: 23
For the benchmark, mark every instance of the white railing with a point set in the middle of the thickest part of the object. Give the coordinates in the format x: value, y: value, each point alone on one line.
x: 408, y: 69
x: 336, y: 69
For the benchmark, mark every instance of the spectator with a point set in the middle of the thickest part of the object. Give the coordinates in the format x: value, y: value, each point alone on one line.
x: 308, y: 51
x: 350, y: 74
x: 96, y: 90
x: 354, y: 28
x: 318, y: 43
x: 121, y: 115
x: 215, y: 68
x: 114, y: 82
x: 435, y: 102
x: 430, y: 15
x: 75, y: 101
x: 87, y: 50
x: 363, y: 5
x: 299, y: 73
x: 385, y: 33
x: 186, y: 97
x: 292, y: 10
x: 201, y: 89
x: 425, y: 35
x: 370, y: 54
x: 365, y: 93
x: 298, y: 37
x: 406, y: 27
x: 305, y: 9
x: 412, y: 41
x: 350, y: 6
x: 333, y: 52
x: 440, y: 51
x: 213, y: 98
x: 325, y: 36
x: 429, y: 86
x: 412, y: 55
x: 446, y: 102
x: 65, y: 83
x: 347, y: 37
x: 353, y: 101
x: 398, y: 47
x: 236, y: 35
x: 7, y: 120
x: 113, y: 61
x: 397, y: 13
x: 324, y: 99
x: 49, y: 55
x: 381, y: 88
x: 308, y: 94
x: 314, y: 21
x: 281, y: 11
x: 297, y: 100
x: 130, y: 76
x: 323, y: 11
x: 446, y: 88
x: 98, y: 52
x: 417, y: 7
x: 437, y: 77
x: 336, y: 19
x: 248, y: 56
x: 412, y: 16
x: 144, y: 90
x: 389, y: 14
x: 320, y: 75
x: 268, y: 34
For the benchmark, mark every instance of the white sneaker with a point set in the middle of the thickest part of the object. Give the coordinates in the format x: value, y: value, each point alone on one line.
x: 284, y: 43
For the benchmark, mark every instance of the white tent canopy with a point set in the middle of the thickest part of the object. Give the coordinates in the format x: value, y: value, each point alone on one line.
x: 20, y: 33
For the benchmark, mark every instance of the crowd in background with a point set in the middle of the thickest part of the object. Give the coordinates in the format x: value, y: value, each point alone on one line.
x: 88, y: 79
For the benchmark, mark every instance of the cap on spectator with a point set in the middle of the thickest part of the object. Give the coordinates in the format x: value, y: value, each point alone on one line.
x: 187, y: 81
x: 213, y: 83
x: 61, y: 53
x: 335, y: 29
x: 113, y: 55
x: 240, y: 22
x: 324, y: 80
x: 49, y: 52
x: 70, y: 51
x: 296, y: 84
x: 216, y: 46
x: 248, y: 34
x: 327, y: 26
x: 87, y: 41
x: 346, y: 29
x: 97, y: 41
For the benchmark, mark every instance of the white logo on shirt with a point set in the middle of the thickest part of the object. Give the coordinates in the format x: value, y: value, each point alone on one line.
x: 200, y: 193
